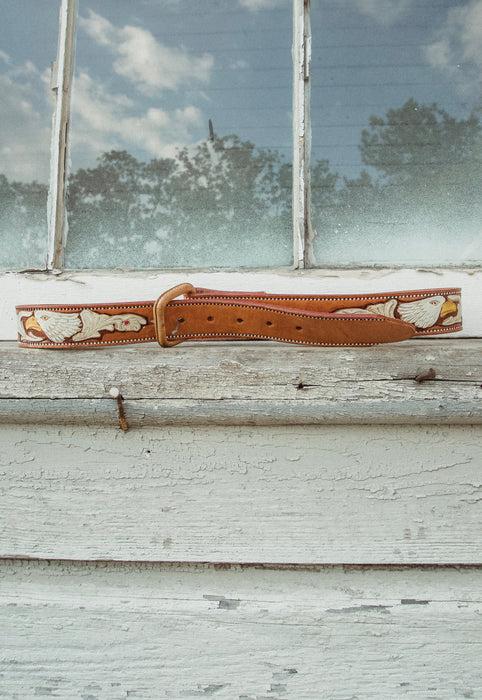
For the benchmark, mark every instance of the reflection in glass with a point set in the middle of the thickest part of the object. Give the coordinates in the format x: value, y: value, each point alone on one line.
x: 28, y: 40
x: 396, y: 132
x: 181, y: 135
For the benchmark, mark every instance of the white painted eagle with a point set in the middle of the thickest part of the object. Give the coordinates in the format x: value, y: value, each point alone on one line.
x: 423, y: 313
x: 58, y: 327
x: 53, y: 325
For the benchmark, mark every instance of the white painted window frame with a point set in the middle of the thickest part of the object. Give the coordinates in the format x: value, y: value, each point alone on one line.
x: 54, y: 286
x: 62, y: 81
x: 302, y: 233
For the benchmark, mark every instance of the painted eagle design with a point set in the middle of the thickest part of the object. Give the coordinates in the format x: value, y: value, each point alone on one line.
x: 58, y: 327
x: 52, y: 325
x: 423, y: 313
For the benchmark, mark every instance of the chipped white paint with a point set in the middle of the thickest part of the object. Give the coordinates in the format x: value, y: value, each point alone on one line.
x: 285, y: 495
x: 62, y: 72
x: 303, y: 494
x: 112, y: 631
x: 301, y: 131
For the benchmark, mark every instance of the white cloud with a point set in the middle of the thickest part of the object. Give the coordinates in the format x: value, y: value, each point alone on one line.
x: 139, y: 57
x: 239, y: 64
x: 102, y: 121
x: 256, y: 5
x: 25, y: 116
x: 384, y: 11
x: 458, y: 48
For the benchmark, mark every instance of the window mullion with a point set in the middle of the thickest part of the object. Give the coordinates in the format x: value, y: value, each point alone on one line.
x: 62, y: 74
x: 302, y: 232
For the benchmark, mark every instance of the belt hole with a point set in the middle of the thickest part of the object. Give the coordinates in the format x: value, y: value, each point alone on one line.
x: 299, y: 328
x: 239, y: 320
x: 210, y: 318
x: 180, y: 320
x: 269, y: 323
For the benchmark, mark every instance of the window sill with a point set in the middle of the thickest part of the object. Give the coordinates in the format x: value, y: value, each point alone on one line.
x: 97, y: 286
x: 245, y: 384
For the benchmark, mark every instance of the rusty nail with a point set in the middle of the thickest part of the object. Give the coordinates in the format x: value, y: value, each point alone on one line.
x: 115, y: 393
x: 423, y: 376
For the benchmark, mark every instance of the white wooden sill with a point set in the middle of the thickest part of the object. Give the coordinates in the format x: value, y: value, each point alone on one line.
x: 96, y: 286
x: 244, y: 384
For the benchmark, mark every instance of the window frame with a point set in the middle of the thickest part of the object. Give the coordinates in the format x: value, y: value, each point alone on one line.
x: 302, y: 231
x: 62, y: 83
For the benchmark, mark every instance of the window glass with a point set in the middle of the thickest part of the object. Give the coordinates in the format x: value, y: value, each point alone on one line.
x: 396, y: 164
x: 181, y: 134
x: 28, y: 41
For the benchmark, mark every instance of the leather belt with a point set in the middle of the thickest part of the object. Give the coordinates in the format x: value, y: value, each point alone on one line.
x: 203, y: 314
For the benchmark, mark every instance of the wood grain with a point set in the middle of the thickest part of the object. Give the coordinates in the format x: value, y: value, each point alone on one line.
x: 250, y: 383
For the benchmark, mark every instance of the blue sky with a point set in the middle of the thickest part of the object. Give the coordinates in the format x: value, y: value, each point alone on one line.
x: 371, y: 55
x: 150, y: 74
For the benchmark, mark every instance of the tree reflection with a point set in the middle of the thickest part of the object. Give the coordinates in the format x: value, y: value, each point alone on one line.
x: 207, y: 206
x: 225, y: 202
x: 420, y: 193
x: 23, y: 222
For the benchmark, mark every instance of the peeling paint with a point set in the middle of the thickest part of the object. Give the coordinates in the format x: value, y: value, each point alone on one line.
x: 284, y: 674
x: 361, y: 608
x: 224, y: 603
x: 46, y: 692
x: 278, y: 688
x: 206, y: 691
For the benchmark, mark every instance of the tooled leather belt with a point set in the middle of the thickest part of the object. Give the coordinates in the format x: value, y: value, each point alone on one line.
x: 203, y: 314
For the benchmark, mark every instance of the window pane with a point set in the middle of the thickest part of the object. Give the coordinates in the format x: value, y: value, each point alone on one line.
x: 396, y: 131
x: 181, y: 134
x: 28, y: 40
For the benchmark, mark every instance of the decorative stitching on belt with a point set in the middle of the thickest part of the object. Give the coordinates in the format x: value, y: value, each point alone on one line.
x: 79, y: 307
x: 396, y: 315
x: 263, y: 337
x: 284, y: 312
x: 85, y: 343
x: 322, y: 297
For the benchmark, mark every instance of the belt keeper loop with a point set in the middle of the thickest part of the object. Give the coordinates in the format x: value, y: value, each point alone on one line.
x: 159, y: 308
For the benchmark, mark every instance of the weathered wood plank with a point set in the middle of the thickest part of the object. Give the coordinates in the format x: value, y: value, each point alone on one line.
x: 233, y: 370
x: 245, y: 383
x: 106, y: 632
x: 455, y: 409
x: 303, y: 494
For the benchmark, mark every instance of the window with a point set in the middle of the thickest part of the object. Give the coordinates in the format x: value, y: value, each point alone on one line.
x: 181, y: 135
x: 397, y: 160
x: 26, y: 114
x: 187, y: 149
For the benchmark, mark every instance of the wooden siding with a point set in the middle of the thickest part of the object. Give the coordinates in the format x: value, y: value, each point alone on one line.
x: 301, y: 494
x: 110, y: 632
x: 277, y: 523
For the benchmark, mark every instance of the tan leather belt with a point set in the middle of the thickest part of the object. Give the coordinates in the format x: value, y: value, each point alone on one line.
x: 205, y: 315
